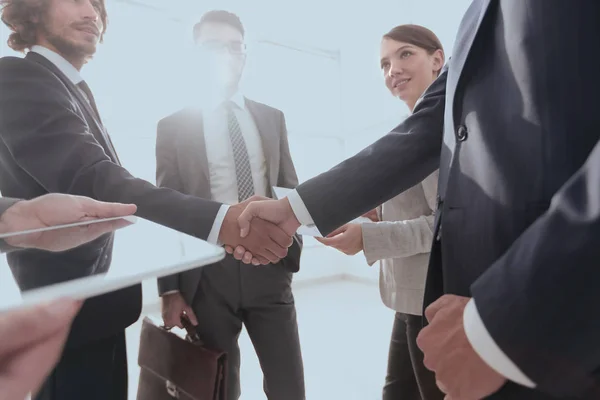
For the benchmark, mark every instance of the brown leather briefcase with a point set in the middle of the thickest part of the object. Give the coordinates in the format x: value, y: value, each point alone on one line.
x: 174, y: 368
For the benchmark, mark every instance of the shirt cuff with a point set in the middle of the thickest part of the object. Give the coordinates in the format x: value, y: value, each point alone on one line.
x: 485, y: 346
x: 169, y: 292
x: 213, y: 236
x: 300, y: 209
x: 371, y: 237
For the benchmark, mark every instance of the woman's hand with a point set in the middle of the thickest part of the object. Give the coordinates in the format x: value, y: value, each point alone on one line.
x: 347, y: 239
x: 372, y: 215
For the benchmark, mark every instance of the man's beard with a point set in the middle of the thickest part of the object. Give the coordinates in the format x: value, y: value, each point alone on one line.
x: 68, y: 49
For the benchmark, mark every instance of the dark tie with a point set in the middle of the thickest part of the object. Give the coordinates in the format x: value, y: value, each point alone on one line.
x: 85, y: 89
x: 243, y: 171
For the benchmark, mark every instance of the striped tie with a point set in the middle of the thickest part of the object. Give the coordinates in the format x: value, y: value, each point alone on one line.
x: 243, y: 172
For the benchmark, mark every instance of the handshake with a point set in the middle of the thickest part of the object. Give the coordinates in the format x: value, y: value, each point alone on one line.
x: 259, y: 230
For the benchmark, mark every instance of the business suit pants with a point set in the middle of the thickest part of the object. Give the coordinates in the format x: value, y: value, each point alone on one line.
x: 407, y: 378
x: 230, y: 295
x: 94, y: 371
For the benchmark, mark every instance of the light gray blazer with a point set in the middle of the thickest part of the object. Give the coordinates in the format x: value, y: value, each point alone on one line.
x: 402, y: 242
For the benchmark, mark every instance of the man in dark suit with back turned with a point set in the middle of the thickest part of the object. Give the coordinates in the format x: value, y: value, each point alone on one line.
x: 228, y: 148
x: 518, y: 228
x: 53, y: 140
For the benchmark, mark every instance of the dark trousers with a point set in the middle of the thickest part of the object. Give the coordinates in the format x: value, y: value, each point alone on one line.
x: 407, y: 378
x: 94, y: 371
x: 231, y: 295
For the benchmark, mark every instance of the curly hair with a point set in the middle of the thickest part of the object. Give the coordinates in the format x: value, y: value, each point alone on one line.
x: 22, y: 18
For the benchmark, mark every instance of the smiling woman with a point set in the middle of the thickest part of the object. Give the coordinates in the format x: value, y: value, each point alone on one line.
x: 411, y: 58
x: 401, y: 235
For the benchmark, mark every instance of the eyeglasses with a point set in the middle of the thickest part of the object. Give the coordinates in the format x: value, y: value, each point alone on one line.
x: 215, y: 46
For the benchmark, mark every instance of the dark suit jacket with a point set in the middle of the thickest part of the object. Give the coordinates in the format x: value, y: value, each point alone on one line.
x: 51, y: 142
x: 519, y: 191
x: 182, y: 164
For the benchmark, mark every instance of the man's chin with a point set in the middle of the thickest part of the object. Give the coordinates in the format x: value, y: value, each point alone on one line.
x: 86, y: 50
x: 76, y: 51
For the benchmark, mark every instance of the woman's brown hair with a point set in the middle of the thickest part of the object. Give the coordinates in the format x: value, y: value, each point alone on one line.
x: 416, y: 35
x: 21, y: 15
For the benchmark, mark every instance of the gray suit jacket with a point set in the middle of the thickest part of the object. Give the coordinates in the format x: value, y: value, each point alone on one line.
x: 401, y: 241
x: 518, y: 223
x: 182, y: 164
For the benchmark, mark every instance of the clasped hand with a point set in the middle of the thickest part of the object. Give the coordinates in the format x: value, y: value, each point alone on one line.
x: 259, y: 230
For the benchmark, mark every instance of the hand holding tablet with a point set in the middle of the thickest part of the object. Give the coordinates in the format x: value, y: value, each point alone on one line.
x: 38, y: 229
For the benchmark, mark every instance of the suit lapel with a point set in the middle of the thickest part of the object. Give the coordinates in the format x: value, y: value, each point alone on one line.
x: 269, y: 136
x: 465, y: 37
x: 467, y: 32
x: 90, y: 116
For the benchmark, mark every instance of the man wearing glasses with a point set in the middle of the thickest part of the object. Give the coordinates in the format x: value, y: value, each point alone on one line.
x: 229, y: 148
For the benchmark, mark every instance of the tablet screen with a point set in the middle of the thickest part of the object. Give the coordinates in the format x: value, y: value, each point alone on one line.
x: 95, y: 257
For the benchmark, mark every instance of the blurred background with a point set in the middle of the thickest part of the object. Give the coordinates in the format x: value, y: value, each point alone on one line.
x: 318, y: 62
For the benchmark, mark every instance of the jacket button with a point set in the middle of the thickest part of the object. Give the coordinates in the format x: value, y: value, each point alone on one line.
x: 462, y: 133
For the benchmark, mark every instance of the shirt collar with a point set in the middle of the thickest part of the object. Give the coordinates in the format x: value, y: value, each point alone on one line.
x: 238, y: 99
x: 59, y: 61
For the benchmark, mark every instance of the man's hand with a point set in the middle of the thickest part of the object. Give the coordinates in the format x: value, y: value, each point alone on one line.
x: 241, y: 254
x: 57, y: 209
x: 173, y: 306
x: 459, y: 371
x: 264, y: 240
x: 348, y: 239
x: 278, y: 212
x: 32, y: 341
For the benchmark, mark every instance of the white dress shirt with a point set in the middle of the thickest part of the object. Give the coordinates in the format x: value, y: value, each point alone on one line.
x: 75, y: 77
x: 480, y: 339
x: 219, y: 151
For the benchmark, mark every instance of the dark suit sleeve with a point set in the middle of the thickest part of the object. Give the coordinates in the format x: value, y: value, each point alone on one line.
x: 167, y: 175
x: 50, y: 141
x: 393, y: 164
x: 540, y: 301
x: 288, y: 178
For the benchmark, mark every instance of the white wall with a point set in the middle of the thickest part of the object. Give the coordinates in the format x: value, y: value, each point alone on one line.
x: 315, y: 60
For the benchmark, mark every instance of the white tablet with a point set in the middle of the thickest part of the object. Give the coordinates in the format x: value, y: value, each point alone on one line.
x: 141, y: 250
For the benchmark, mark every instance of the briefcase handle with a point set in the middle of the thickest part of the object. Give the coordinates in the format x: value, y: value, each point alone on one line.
x: 192, y: 335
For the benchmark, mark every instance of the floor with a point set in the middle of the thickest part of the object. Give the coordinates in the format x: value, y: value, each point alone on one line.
x: 344, y: 332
